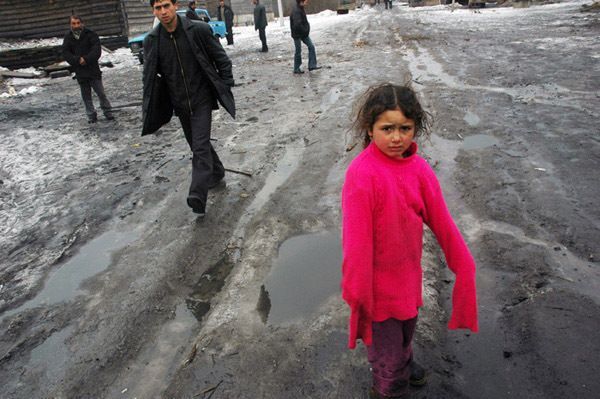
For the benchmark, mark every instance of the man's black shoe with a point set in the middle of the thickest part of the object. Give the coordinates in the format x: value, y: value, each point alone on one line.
x: 418, y: 376
x: 92, y: 120
x: 109, y: 116
x: 197, y: 205
x: 314, y: 68
x: 298, y: 71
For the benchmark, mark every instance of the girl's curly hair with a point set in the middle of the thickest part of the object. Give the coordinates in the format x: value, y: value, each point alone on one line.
x: 388, y: 97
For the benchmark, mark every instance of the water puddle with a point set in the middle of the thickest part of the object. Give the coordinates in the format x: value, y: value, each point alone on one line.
x: 306, y: 272
x: 471, y: 119
x: 479, y: 141
x: 51, y: 355
x: 92, y: 258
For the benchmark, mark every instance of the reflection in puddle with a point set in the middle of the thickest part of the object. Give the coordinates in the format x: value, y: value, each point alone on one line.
x: 92, y: 258
x: 306, y: 272
x: 478, y: 141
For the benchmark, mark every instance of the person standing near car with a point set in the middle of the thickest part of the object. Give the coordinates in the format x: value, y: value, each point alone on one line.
x: 191, y: 11
x: 186, y: 71
x: 225, y: 13
x: 81, y: 49
x: 260, y: 23
x: 300, y: 30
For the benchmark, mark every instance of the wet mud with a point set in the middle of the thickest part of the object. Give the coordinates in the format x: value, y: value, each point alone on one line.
x: 150, y: 301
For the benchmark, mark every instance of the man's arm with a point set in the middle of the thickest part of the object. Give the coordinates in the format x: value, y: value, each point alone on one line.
x: 68, y: 55
x: 95, y: 51
x: 216, y: 53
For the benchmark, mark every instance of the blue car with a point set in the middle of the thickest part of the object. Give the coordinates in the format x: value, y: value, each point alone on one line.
x: 137, y: 43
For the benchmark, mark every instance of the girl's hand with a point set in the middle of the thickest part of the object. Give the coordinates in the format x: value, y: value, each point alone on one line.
x: 361, y: 322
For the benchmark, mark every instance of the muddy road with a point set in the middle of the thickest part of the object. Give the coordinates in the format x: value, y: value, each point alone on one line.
x: 110, y: 287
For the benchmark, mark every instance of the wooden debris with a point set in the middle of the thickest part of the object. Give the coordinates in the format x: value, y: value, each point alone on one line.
x: 240, y: 172
x: 22, y: 75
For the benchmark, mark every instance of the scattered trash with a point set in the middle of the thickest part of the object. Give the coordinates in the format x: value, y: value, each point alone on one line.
x: 360, y: 43
x: 124, y: 390
x: 191, y: 356
x: 540, y: 169
x: 244, y: 195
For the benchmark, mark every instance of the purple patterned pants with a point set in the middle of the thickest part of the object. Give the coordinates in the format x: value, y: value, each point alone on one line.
x: 390, y: 355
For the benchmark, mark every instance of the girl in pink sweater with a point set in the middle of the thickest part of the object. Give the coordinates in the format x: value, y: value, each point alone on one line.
x: 389, y: 192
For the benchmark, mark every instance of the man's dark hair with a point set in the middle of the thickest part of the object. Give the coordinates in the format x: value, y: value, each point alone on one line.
x: 192, y: 3
x: 154, y: 1
x: 77, y: 17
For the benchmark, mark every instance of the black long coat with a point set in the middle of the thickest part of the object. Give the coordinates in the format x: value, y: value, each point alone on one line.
x: 299, y: 23
x: 228, y: 13
x: 260, y: 17
x: 214, y: 63
x: 88, y: 47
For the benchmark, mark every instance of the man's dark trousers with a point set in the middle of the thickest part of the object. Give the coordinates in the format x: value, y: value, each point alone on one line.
x: 207, y: 168
x: 86, y: 86
x: 263, y: 38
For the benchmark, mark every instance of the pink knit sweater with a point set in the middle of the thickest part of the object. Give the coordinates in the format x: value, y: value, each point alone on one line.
x: 385, y: 202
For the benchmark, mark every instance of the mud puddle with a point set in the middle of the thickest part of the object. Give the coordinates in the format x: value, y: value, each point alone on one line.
x: 479, y: 141
x: 306, y: 272
x: 92, y: 258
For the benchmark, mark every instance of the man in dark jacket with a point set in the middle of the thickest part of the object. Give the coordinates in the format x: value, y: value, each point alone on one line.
x: 191, y: 11
x: 81, y: 49
x: 187, y: 71
x: 225, y: 13
x: 300, y: 31
x: 260, y: 23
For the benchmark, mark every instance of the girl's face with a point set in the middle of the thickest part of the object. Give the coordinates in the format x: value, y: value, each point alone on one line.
x: 393, y: 133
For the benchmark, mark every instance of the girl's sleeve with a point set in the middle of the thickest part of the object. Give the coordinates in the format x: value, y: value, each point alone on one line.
x: 458, y: 256
x: 357, y: 267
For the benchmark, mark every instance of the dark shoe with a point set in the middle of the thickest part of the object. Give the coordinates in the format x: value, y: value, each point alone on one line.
x: 92, y: 120
x: 418, y: 376
x: 197, y: 205
x: 264, y: 50
x: 109, y: 116
x: 298, y: 71
x: 315, y: 68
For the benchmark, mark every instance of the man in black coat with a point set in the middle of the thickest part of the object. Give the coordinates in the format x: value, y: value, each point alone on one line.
x: 191, y: 11
x: 300, y: 30
x: 81, y: 49
x: 260, y: 23
x: 186, y: 71
x: 225, y: 13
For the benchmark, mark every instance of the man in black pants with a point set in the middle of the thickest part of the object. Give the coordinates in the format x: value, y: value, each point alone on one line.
x: 260, y: 23
x: 225, y: 13
x: 81, y: 49
x: 187, y: 71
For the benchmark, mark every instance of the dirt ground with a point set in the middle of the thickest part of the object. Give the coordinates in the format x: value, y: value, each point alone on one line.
x: 111, y: 287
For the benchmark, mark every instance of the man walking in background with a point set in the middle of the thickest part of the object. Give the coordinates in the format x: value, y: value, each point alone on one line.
x: 187, y: 71
x: 225, y: 13
x: 260, y: 23
x: 300, y: 30
x: 81, y: 49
